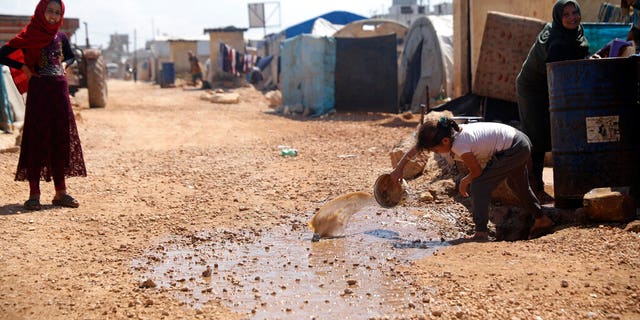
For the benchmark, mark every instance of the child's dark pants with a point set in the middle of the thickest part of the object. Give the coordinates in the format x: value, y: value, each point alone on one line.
x: 510, y: 164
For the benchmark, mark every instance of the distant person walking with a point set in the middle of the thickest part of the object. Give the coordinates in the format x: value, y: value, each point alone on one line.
x: 50, y: 143
x: 562, y: 39
x: 196, y: 71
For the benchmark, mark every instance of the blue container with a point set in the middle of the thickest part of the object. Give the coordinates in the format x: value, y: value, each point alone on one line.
x: 168, y: 75
x: 594, y: 113
x: 599, y: 34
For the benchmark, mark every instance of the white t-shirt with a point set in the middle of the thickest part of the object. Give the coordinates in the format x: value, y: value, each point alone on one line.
x: 483, y: 139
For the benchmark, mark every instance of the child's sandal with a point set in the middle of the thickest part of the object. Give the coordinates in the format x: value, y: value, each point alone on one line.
x: 66, y: 201
x: 32, y: 204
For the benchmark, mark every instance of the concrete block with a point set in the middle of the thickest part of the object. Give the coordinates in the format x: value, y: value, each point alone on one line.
x: 609, y: 204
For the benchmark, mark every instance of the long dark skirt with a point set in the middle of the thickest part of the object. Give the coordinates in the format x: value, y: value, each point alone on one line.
x: 50, y: 141
x: 533, y: 106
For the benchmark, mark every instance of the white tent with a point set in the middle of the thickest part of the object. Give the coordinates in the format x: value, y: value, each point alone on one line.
x: 427, y: 60
x: 11, y: 102
x: 324, y: 28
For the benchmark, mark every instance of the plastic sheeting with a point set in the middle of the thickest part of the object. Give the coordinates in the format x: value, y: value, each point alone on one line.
x: 366, y: 74
x: 334, y: 17
x: 12, y: 106
x: 599, y: 34
x: 308, y: 72
x: 324, y: 28
x: 427, y: 60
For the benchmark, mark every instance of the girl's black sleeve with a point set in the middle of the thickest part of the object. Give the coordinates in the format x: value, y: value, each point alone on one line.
x: 68, y: 56
x: 4, y: 52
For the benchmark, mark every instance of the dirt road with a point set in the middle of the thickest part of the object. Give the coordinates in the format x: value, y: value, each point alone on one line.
x: 190, y: 212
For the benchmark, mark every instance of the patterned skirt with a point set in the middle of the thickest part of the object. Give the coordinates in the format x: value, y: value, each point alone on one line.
x: 50, y: 138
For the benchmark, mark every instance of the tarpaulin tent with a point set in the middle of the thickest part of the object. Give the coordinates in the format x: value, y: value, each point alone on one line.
x: 334, y: 17
x: 11, y: 102
x: 320, y: 25
x: 308, y: 73
x: 376, y: 27
x: 366, y: 74
x: 320, y: 74
x: 427, y: 60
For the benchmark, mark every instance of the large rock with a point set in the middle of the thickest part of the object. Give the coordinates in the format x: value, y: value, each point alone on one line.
x: 633, y: 226
x: 511, y: 223
x: 225, y: 98
x: 275, y: 98
x: 414, y: 167
x: 609, y: 204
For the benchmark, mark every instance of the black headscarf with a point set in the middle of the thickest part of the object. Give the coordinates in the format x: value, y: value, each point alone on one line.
x: 564, y: 44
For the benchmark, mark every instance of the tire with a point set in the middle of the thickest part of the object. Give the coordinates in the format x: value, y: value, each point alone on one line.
x: 97, y: 82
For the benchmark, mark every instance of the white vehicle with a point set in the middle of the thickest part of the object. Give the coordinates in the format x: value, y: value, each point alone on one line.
x: 112, y: 69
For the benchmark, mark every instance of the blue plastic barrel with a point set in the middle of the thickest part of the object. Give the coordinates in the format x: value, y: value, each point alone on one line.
x: 168, y: 75
x: 595, y: 126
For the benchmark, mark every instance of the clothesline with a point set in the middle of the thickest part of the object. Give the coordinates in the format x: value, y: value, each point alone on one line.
x: 235, y: 62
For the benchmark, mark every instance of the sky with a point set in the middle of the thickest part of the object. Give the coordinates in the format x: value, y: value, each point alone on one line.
x: 189, y: 18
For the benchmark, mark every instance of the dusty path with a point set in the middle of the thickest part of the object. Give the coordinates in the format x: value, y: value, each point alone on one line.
x: 173, y: 179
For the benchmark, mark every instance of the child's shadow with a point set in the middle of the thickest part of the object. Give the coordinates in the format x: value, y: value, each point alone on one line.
x: 15, y: 209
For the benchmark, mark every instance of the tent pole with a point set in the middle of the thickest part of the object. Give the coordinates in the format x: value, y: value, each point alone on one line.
x: 424, y: 107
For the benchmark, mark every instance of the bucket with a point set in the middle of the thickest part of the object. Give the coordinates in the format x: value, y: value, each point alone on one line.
x: 387, y: 192
x: 594, y: 113
x: 168, y: 75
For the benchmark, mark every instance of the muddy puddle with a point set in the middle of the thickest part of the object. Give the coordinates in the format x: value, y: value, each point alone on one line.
x: 281, y: 273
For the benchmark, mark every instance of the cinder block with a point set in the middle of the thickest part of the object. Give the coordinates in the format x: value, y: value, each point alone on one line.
x: 609, y: 204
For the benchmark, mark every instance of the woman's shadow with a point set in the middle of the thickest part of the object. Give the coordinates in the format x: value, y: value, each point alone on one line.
x: 16, y: 208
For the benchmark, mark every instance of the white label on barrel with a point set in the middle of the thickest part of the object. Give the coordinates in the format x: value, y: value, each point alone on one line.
x: 603, y: 129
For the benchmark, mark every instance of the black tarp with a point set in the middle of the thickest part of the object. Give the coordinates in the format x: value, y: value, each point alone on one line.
x: 366, y: 74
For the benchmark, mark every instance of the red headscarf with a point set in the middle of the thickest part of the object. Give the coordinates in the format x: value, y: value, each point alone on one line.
x: 37, y: 34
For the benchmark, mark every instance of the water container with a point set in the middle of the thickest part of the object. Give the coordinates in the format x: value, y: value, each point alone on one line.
x: 594, y: 113
x: 168, y: 75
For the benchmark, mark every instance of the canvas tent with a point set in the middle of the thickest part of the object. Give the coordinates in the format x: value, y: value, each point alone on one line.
x: 376, y: 27
x: 366, y: 74
x: 373, y: 27
x: 320, y: 74
x: 318, y: 26
x: 427, y: 60
x: 324, y: 28
x: 333, y: 17
x: 307, y: 80
x: 11, y: 102
x: 500, y: 59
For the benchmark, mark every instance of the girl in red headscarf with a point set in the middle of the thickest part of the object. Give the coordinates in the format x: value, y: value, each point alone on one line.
x: 50, y: 142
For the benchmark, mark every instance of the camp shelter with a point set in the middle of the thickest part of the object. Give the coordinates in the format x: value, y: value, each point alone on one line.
x: 333, y: 17
x: 320, y: 74
x: 274, y: 42
x: 12, y: 106
x: 178, y: 53
x: 366, y: 74
x: 506, y: 42
x: 469, y: 20
x: 375, y: 27
x: 427, y: 60
x: 308, y: 78
x: 231, y: 36
x: 324, y: 28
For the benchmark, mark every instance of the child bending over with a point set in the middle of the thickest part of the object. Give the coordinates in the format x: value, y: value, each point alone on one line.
x: 492, y: 152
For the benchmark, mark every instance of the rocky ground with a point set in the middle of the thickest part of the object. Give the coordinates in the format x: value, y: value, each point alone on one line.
x: 189, y: 208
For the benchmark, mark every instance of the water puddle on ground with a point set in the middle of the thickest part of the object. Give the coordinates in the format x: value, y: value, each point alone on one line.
x: 281, y: 274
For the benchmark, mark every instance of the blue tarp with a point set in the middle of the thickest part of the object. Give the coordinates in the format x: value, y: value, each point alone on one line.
x: 599, y: 34
x: 335, y: 17
x: 309, y: 76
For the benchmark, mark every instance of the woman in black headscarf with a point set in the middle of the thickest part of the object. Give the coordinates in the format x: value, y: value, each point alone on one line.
x: 562, y: 39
